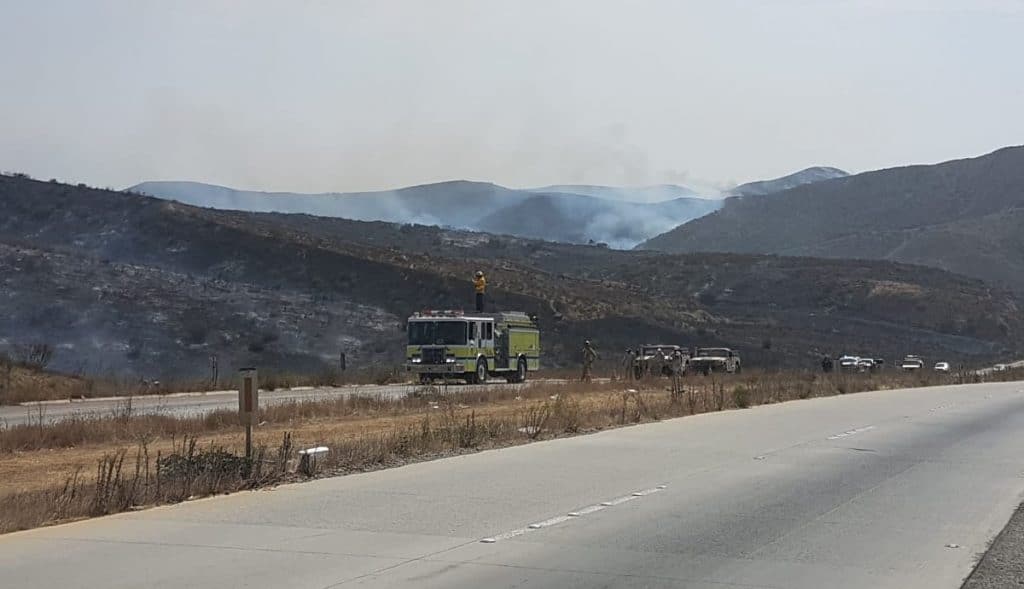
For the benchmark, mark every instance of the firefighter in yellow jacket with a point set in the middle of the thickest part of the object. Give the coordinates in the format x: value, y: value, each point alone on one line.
x: 480, y: 286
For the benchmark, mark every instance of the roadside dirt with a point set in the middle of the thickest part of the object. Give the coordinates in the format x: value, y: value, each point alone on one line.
x: 50, y: 468
x: 18, y: 384
x: 1003, y: 564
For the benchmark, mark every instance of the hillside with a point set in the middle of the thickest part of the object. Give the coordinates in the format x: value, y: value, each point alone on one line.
x: 127, y: 284
x: 808, y: 176
x: 20, y: 383
x: 964, y: 216
x: 574, y: 218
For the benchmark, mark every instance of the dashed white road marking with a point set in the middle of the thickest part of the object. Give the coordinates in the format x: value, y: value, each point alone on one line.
x: 558, y: 519
x: 852, y: 432
x: 505, y: 536
x: 646, y: 492
x: 553, y: 521
x: 587, y: 510
x: 618, y: 500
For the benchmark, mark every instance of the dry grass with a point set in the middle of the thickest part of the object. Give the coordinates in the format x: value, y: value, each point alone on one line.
x: 20, y: 383
x: 24, y: 384
x: 123, y: 424
x: 65, y: 471
x: 124, y: 480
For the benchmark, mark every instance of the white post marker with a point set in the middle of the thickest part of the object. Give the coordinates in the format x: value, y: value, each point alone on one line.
x: 308, y: 458
x: 248, y: 404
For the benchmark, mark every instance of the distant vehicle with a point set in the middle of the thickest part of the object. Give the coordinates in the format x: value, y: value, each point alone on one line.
x: 472, y: 347
x: 866, y: 365
x: 942, y: 367
x: 708, y: 360
x: 1000, y: 368
x: 848, y: 363
x: 912, y: 362
x: 660, y: 359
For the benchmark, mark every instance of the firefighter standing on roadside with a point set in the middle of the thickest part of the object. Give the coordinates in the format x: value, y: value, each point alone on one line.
x: 677, y: 363
x: 627, y: 363
x: 589, y: 355
x: 480, y: 286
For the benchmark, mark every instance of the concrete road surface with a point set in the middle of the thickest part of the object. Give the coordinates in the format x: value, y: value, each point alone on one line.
x: 889, y: 489
x: 190, y: 404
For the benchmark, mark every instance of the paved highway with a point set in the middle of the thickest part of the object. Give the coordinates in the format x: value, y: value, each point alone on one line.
x: 888, y: 489
x: 186, y: 404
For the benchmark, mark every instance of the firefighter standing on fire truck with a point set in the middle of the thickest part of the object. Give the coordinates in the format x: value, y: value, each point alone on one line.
x: 480, y: 286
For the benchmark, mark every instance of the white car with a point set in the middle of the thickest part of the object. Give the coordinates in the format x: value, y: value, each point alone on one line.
x: 911, y: 362
x: 848, y: 362
x: 999, y: 368
x: 942, y: 367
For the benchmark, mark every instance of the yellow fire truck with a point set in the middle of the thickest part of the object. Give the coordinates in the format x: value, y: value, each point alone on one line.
x: 474, y: 347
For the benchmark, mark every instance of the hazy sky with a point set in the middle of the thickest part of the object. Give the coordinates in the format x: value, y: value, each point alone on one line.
x: 352, y: 95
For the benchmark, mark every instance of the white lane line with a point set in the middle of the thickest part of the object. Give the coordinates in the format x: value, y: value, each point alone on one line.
x: 852, y: 432
x: 587, y: 510
x: 505, y: 536
x: 558, y: 519
x: 618, y: 500
x: 647, y: 492
x: 553, y: 521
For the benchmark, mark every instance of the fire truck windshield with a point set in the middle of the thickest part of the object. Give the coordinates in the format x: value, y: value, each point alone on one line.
x: 437, y: 333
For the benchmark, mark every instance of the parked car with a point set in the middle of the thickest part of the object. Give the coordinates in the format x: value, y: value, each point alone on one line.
x: 911, y: 362
x: 942, y: 367
x: 866, y: 365
x: 848, y: 363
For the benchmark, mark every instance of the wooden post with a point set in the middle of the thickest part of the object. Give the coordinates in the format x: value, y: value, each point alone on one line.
x: 248, y: 404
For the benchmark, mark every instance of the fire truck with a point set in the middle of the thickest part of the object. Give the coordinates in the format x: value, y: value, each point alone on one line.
x: 473, y: 347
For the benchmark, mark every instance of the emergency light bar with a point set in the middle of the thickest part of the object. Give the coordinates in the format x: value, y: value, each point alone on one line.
x: 437, y: 313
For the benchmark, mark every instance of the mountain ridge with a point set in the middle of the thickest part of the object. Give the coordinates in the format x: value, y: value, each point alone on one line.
x: 579, y: 218
x: 621, y: 217
x: 805, y: 176
x: 640, y: 194
x: 923, y: 214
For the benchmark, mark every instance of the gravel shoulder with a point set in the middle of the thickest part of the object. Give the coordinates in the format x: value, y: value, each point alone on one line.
x: 1003, y: 564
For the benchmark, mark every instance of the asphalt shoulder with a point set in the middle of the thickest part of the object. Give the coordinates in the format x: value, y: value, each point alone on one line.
x: 1003, y: 563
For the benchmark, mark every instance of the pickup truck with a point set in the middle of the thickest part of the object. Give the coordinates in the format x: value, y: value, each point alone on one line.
x: 708, y: 360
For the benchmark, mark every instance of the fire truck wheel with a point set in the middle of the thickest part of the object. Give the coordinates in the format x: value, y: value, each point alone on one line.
x: 521, y: 370
x: 481, y: 371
